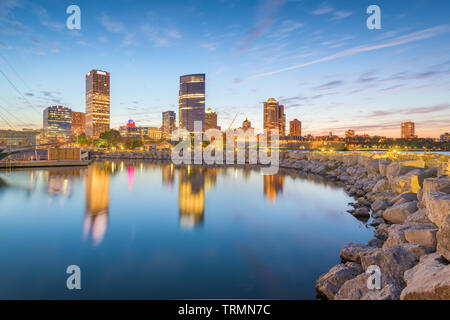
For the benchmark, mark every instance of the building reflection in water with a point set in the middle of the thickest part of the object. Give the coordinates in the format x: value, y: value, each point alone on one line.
x: 97, y: 201
x: 168, y: 175
x: 130, y: 175
x: 192, y: 184
x: 59, y: 180
x: 273, y: 185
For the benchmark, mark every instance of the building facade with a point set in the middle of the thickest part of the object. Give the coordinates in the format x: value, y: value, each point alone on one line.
x: 168, y: 123
x: 97, y: 103
x: 191, y: 101
x: 18, y: 138
x: 57, y: 122
x: 274, y: 117
x: 211, y: 120
x: 153, y: 133
x: 408, y: 130
x: 295, y: 128
x: 78, y: 123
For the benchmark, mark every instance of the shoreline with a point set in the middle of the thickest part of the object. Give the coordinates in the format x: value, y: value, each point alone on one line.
x: 407, y: 198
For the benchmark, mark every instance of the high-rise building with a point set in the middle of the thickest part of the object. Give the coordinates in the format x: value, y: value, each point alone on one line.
x: 274, y: 117
x: 350, y: 133
x: 78, y: 123
x: 58, y: 122
x: 211, y: 120
x: 295, y: 128
x: 97, y: 103
x: 246, y: 125
x: 191, y: 101
x: 408, y: 130
x: 168, y: 123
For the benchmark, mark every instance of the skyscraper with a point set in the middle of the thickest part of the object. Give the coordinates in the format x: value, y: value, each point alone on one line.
x: 168, y: 123
x: 191, y: 101
x: 58, y: 122
x: 97, y: 103
x: 408, y: 130
x: 78, y: 123
x: 211, y: 120
x: 295, y: 128
x: 274, y: 117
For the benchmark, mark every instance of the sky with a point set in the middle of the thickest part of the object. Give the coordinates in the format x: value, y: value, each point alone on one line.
x: 318, y: 58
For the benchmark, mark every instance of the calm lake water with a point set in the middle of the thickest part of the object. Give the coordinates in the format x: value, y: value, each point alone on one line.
x: 154, y: 231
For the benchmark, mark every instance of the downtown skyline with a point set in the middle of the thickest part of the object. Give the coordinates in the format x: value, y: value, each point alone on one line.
x: 318, y: 59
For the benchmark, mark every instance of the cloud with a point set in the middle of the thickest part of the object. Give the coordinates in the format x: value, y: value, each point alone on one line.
x: 265, y: 18
x: 7, y: 6
x: 5, y: 45
x: 103, y: 39
x: 340, y: 15
x: 420, y: 110
x: 210, y: 46
x: 323, y: 9
x: 330, y: 85
x: 161, y: 37
x: 412, y: 37
x: 111, y: 25
x: 285, y: 29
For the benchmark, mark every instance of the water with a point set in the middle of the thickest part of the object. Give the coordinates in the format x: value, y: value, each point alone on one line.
x: 154, y: 231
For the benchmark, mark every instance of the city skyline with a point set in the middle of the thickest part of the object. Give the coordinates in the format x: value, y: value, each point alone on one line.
x: 318, y: 59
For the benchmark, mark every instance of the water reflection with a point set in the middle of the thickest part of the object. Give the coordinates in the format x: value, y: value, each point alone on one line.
x: 97, y: 201
x: 273, y: 185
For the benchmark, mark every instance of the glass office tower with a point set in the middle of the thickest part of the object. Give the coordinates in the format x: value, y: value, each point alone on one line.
x: 191, y: 101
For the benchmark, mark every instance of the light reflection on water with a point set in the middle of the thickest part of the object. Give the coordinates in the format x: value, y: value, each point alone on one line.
x: 154, y: 230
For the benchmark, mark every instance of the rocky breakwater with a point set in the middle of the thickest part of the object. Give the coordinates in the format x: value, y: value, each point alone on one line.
x: 407, y: 199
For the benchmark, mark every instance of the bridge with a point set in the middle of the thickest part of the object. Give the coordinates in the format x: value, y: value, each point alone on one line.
x: 5, y: 152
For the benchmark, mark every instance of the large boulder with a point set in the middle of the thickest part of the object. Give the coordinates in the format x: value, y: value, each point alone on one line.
x: 420, y: 216
x: 381, y: 186
x: 397, y: 169
x: 383, y: 165
x: 351, y: 252
x: 372, y: 166
x: 399, y: 213
x: 438, y: 207
x: 420, y: 233
x: 380, y: 204
x: 357, y: 289
x: 393, y: 261
x: 428, y: 280
x: 441, y: 184
x: 329, y: 283
x: 424, y: 234
x: 411, y: 181
x: 443, y: 238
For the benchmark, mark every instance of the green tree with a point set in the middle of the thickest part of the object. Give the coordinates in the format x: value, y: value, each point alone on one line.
x: 111, y: 137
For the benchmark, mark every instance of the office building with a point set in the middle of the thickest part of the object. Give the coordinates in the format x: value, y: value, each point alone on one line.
x: 274, y: 117
x: 168, y: 123
x: 97, y: 103
x: 78, y: 123
x: 191, y: 101
x: 408, y: 130
x: 57, y: 122
x: 211, y: 120
x: 350, y: 133
x: 295, y: 128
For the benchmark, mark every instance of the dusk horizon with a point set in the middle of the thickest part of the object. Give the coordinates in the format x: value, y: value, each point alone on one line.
x: 318, y: 59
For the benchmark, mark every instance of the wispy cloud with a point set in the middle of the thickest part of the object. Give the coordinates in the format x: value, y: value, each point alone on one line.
x: 412, y: 37
x: 265, y: 18
x: 329, y: 85
x: 323, y: 9
x: 111, y: 25
x: 340, y: 15
x: 420, y: 110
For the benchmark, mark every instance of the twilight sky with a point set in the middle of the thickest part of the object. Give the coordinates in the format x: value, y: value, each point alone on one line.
x: 318, y: 58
